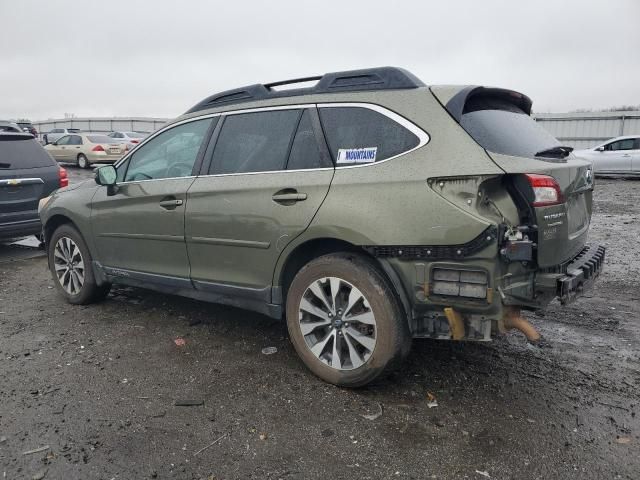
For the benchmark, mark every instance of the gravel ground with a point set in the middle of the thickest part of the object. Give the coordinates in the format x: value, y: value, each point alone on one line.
x: 100, y: 387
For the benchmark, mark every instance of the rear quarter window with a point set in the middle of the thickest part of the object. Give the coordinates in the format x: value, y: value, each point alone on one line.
x: 359, y: 135
x: 504, y: 128
x: 23, y: 153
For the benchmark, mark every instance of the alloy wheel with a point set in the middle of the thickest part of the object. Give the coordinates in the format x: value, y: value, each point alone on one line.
x: 337, y: 323
x: 69, y: 265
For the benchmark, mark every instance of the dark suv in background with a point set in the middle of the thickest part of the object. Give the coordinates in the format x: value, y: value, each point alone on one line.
x: 27, y: 174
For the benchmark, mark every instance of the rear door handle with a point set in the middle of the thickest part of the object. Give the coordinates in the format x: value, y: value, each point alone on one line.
x: 626, y: 155
x: 288, y: 196
x: 170, y: 204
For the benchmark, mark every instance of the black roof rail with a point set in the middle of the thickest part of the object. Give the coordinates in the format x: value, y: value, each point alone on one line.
x: 381, y: 78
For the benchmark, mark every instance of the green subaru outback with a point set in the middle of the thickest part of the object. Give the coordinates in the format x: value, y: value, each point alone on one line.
x: 368, y: 209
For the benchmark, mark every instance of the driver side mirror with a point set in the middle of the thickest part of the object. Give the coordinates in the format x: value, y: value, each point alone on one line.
x: 107, y: 176
x: 600, y: 149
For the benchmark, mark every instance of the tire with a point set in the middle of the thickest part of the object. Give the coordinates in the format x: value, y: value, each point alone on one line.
x: 78, y: 286
x: 83, y: 162
x: 379, y: 345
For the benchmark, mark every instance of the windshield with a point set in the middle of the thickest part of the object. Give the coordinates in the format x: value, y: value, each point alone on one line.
x: 508, y: 131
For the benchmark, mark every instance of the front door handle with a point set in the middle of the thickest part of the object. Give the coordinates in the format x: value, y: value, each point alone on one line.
x: 170, y: 204
x: 626, y: 155
x: 288, y: 196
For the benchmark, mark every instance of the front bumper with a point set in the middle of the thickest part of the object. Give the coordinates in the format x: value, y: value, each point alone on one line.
x: 580, y: 273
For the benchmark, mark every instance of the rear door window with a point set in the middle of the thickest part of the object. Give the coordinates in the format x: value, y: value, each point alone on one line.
x: 20, y: 152
x: 254, y: 142
x: 360, y: 135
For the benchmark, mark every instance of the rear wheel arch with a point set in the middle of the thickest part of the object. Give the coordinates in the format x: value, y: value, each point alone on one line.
x: 312, y: 249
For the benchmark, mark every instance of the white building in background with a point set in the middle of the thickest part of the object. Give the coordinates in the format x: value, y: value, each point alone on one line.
x: 584, y: 130
x: 103, y: 124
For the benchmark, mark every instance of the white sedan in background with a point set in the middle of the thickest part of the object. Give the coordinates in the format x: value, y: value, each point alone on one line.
x: 130, y: 139
x: 617, y: 156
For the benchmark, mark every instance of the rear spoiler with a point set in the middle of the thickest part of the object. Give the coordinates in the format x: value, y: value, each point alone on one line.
x: 459, y: 103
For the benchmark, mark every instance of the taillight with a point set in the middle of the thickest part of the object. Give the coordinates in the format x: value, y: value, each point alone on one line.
x: 64, y: 178
x: 135, y: 141
x: 546, y: 190
x: 98, y: 148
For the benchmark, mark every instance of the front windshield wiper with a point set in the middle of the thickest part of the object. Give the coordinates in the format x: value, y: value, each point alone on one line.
x: 560, y: 151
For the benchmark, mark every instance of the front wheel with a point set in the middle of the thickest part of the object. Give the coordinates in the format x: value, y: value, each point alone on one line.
x: 344, y: 320
x: 82, y: 161
x: 70, y: 265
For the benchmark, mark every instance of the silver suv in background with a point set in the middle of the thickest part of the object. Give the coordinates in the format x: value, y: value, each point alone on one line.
x: 57, y: 133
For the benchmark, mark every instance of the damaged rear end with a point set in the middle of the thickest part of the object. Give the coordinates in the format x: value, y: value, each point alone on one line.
x: 541, y: 204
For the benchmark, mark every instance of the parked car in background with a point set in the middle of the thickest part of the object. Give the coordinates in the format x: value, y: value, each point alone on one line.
x: 617, y: 156
x: 57, y: 133
x: 85, y: 149
x: 27, y: 174
x: 130, y: 139
x: 6, y: 126
x: 28, y: 127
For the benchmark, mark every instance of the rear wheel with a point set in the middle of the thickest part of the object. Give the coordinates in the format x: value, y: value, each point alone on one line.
x: 82, y: 161
x: 344, y: 320
x: 70, y: 265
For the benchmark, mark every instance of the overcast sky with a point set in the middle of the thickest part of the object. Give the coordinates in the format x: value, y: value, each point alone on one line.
x: 159, y: 57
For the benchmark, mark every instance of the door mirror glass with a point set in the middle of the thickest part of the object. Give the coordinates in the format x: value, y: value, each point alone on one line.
x: 106, y: 175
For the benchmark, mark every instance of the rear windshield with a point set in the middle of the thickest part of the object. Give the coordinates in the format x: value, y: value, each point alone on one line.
x: 100, y: 139
x: 73, y: 130
x: 23, y: 153
x: 501, y: 127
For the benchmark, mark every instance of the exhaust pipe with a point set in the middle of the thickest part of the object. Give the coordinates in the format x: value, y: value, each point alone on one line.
x: 513, y: 319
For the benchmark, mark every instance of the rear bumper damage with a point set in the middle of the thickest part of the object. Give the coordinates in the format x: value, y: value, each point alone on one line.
x: 474, y: 299
x: 580, y: 273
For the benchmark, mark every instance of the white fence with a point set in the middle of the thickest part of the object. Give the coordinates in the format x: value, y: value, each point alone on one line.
x: 583, y: 130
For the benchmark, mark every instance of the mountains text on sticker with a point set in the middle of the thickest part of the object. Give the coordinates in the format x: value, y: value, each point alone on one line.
x: 357, y: 155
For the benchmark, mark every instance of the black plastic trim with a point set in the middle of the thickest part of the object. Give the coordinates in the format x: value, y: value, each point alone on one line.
x: 436, y: 252
x: 257, y: 300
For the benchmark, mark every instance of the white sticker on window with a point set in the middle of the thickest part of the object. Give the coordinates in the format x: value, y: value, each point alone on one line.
x: 357, y: 155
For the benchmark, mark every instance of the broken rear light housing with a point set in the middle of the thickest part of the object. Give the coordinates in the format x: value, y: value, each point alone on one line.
x: 546, y: 190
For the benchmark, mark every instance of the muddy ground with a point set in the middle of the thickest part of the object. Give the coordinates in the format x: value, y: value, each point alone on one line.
x: 98, y: 386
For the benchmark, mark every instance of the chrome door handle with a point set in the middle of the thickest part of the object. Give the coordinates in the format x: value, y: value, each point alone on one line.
x: 170, y: 204
x: 626, y: 155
